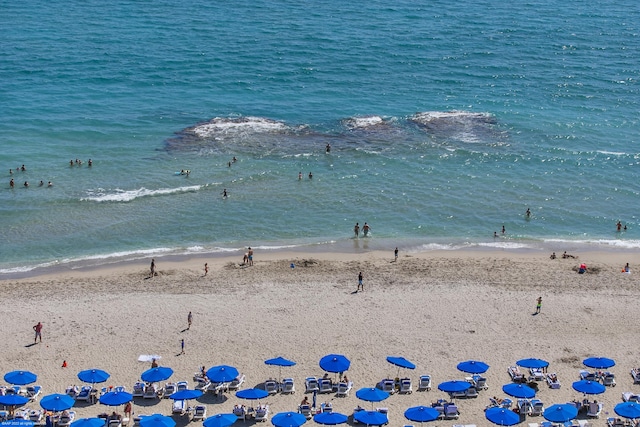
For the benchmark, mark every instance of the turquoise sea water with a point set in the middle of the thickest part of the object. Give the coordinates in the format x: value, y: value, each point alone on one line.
x: 446, y: 120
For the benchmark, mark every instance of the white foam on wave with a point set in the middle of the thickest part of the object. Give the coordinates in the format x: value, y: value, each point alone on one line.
x: 118, y: 195
x: 364, y: 122
x: 611, y: 153
x: 452, y: 116
x: 504, y: 245
x: 241, y: 125
x: 615, y: 243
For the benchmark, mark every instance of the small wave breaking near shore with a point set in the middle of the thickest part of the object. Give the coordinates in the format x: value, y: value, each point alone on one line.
x: 118, y: 195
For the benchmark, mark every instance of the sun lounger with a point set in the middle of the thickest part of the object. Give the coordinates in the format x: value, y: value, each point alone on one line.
x: 635, y: 373
x: 537, y: 408
x: 425, y: 383
x: 182, y: 385
x: 236, y: 383
x: 170, y: 388
x: 344, y: 389
x: 138, y: 390
x: 271, y: 386
x: 628, y: 396
x: 305, y: 410
x: 202, y: 384
x: 552, y: 380
x: 72, y: 391
x: 66, y: 418
x: 524, y: 406
x: 85, y: 393
x: 36, y: 416
x: 240, y: 412
x: 288, y: 386
x: 536, y: 374
x: 199, y: 413
x: 150, y: 392
x: 326, y: 407
x: 589, y: 376
x: 405, y: 386
x: 115, y: 423
x: 617, y: 422
x: 262, y: 413
x: 515, y: 374
x: 179, y: 407
x: 609, y: 379
x: 33, y: 391
x: 387, y: 385
x: 325, y: 386
x: 451, y: 412
x: 218, y: 388
x: 594, y: 410
x: 311, y: 384
x: 584, y: 423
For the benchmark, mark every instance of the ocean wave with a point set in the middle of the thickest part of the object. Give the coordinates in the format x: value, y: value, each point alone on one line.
x: 118, y: 195
x: 462, y: 126
x: 364, y: 122
x: 224, y: 126
x: 591, y: 243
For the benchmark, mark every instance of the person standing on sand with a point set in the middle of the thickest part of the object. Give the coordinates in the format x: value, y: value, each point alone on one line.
x: 206, y: 268
x: 38, y: 329
x: 539, y: 305
x: 182, y: 346
x: 189, y: 320
x: 395, y: 253
x: 153, y: 267
x: 360, y: 285
x: 250, y: 255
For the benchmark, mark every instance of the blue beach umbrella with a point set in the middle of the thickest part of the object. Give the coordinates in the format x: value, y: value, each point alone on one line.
x: 599, y: 362
x: 20, y: 377
x: 330, y: 418
x: 588, y: 387
x: 502, y: 416
x: 280, y: 362
x: 473, y: 367
x: 57, y: 402
x: 222, y: 373
x: 288, y: 419
x: 13, y: 400
x: 157, y: 420
x: 18, y: 422
x: 372, y: 394
x: 252, y: 393
x: 93, y: 376
x: 186, y: 394
x: 560, y: 413
x: 116, y: 398
x: 421, y: 414
x: 154, y: 375
x: 521, y: 391
x: 453, y: 386
x: 371, y: 418
x: 532, y: 363
x: 401, y: 362
x: 220, y: 420
x: 628, y: 409
x: 335, y: 363
x: 88, y: 422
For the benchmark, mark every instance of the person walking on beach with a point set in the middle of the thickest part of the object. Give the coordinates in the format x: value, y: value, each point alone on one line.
x: 182, y: 346
x: 206, y: 268
x: 356, y: 229
x: 189, y: 320
x: 395, y: 253
x: 360, y: 285
x: 539, y: 305
x: 153, y: 267
x: 38, y: 329
x: 250, y: 255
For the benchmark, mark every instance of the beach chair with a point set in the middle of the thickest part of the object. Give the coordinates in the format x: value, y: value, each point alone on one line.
x: 471, y: 392
x: 288, y: 386
x: 405, y: 386
x: 325, y: 386
x: 66, y: 418
x: 609, y: 379
x: 240, y: 412
x: 262, y: 413
x: 480, y: 382
x: 236, y: 383
x: 150, y: 392
x: 326, y: 407
x: 182, y: 385
x: 515, y: 374
x: 305, y: 410
x: 594, y: 410
x: 179, y: 407
x: 589, y: 376
x: 36, y: 416
x: 344, y: 389
x: 536, y: 374
x: 584, y: 423
x: 199, y: 413
x: 524, y: 406
x: 138, y: 390
x: 628, y: 396
x: 537, y: 408
x: 451, y: 412
x: 311, y: 384
x: 115, y: 422
x: 387, y: 385
x: 32, y: 392
x: 170, y: 388
x: 202, y: 384
x: 85, y: 393
x: 552, y: 381
x: 72, y: 391
x: 635, y: 374
x: 425, y: 383
x: 271, y: 386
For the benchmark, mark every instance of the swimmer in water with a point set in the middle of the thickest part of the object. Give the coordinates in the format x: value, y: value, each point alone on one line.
x: 224, y: 193
x: 365, y: 229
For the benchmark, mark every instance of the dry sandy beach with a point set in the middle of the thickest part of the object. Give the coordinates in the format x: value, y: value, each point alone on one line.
x: 435, y: 308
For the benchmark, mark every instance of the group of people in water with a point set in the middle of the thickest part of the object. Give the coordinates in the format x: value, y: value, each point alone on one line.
x: 23, y: 168
x: 365, y: 229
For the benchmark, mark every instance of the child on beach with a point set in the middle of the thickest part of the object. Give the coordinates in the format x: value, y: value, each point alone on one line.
x: 206, y: 268
x: 539, y: 305
x: 360, y: 285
